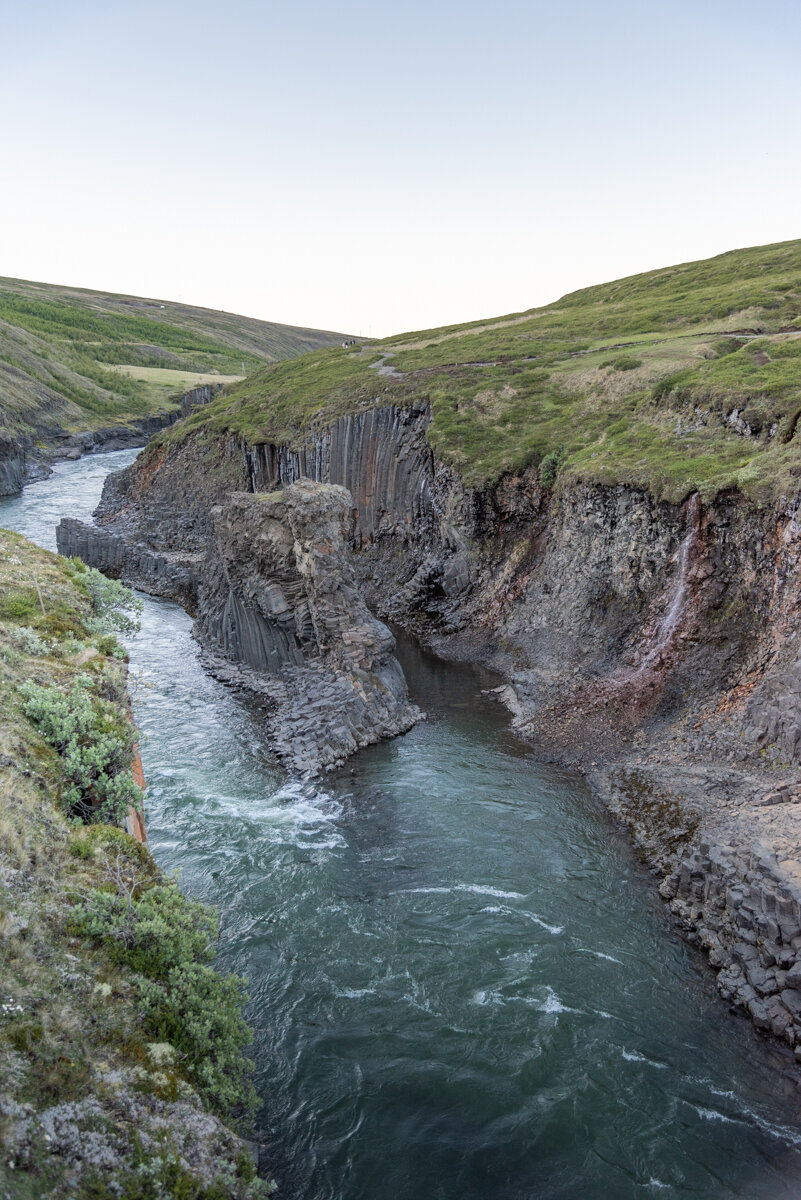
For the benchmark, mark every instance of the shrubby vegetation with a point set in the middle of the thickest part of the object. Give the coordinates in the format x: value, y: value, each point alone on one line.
x: 115, y: 608
x: 170, y: 941
x: 549, y: 467
x: 87, y: 722
x: 164, y: 1177
x: 114, y: 1026
x: 96, y: 744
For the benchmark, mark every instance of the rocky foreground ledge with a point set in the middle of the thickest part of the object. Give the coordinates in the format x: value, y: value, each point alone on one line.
x: 280, y: 612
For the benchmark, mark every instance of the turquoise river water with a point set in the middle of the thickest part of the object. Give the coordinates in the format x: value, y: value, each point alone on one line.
x: 463, y: 985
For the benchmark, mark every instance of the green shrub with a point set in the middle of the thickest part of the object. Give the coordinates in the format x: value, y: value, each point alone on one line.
x: 549, y: 467
x: 18, y: 603
x: 626, y: 362
x: 671, y: 383
x: 96, y: 744
x: 107, y: 644
x: 111, y: 837
x: 116, y: 608
x: 151, y: 933
x: 157, y: 1174
x: 169, y: 941
x: 199, y: 1012
x: 79, y: 847
x: 27, y: 641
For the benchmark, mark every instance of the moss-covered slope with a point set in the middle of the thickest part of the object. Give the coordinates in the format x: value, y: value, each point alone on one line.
x: 121, y: 1062
x: 679, y: 379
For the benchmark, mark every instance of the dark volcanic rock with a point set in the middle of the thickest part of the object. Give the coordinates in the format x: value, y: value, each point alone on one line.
x: 12, y: 465
x: 158, y: 574
x: 279, y: 610
x: 657, y: 638
x: 279, y: 599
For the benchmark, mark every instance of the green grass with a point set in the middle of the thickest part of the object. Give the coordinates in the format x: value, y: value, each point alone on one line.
x: 633, y: 381
x: 77, y: 360
x: 175, y: 379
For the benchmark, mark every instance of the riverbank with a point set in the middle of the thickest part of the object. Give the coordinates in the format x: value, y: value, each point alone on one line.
x: 23, y: 460
x: 101, y: 1094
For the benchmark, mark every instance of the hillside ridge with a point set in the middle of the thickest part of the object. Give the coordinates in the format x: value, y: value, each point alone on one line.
x: 680, y: 379
x: 80, y: 367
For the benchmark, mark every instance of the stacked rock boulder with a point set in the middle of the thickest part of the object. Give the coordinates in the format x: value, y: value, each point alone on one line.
x: 744, y: 910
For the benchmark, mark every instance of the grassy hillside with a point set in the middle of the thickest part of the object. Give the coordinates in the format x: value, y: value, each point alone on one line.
x: 73, y: 359
x: 683, y: 378
x: 121, y: 1048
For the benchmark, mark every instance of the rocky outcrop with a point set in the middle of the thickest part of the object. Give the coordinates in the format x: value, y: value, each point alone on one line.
x: 622, y: 606
x: 159, y: 574
x: 198, y: 396
x: 279, y: 610
x: 280, y: 601
x: 729, y: 860
x: 401, y: 497
x: 381, y: 456
x: 12, y: 465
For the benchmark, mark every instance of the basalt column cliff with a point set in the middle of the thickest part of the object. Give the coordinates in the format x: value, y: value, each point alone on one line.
x: 599, y: 499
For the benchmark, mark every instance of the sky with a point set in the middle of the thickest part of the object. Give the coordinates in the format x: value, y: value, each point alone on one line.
x: 375, y: 168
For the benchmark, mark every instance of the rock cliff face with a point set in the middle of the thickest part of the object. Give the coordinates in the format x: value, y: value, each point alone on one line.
x: 279, y: 599
x: 655, y: 639
x: 12, y: 466
x: 23, y: 459
x: 279, y: 610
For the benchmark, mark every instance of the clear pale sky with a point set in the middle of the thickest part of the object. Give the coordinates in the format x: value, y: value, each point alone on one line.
x: 374, y: 168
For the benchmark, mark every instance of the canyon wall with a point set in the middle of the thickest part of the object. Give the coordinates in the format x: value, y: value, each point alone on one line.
x: 25, y: 458
x: 277, y: 603
x: 279, y: 608
x: 601, y: 594
x: 654, y: 643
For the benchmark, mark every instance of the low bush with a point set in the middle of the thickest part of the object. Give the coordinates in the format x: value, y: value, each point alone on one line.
x: 18, y: 603
x: 96, y: 744
x: 150, y: 933
x: 625, y: 362
x: 169, y: 941
x: 157, y: 1173
x: 549, y: 467
x: 116, y: 609
x: 199, y: 1012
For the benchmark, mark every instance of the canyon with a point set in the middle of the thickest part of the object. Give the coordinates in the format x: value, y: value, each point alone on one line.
x: 543, y: 569
x: 650, y: 642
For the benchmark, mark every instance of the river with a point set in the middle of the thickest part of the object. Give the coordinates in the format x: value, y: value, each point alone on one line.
x: 463, y: 984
